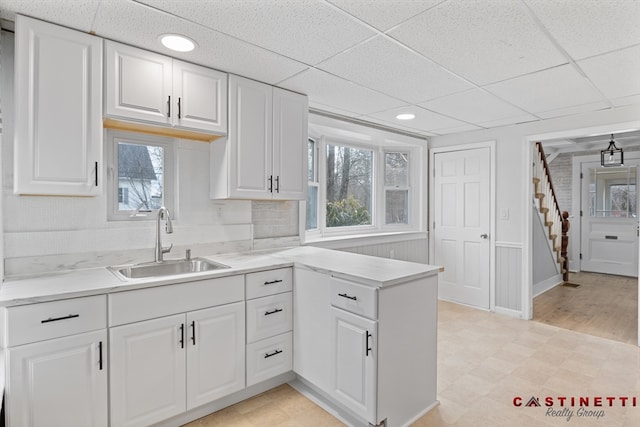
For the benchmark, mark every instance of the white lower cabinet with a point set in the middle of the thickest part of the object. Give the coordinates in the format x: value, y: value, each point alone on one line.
x: 269, y: 309
x: 58, y: 382
x: 215, y: 353
x: 354, y: 362
x: 379, y: 342
x: 163, y: 367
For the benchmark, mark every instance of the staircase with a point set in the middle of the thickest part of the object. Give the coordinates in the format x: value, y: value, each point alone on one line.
x: 556, y: 221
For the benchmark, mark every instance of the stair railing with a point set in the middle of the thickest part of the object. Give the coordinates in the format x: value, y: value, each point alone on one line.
x: 554, y: 219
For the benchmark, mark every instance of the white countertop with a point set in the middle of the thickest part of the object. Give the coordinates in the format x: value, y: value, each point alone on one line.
x: 372, y: 271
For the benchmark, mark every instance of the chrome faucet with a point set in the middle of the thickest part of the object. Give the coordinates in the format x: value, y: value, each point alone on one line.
x: 163, y: 213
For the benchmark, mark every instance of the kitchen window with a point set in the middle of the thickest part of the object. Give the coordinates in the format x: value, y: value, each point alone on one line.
x: 140, y: 175
x: 359, y: 189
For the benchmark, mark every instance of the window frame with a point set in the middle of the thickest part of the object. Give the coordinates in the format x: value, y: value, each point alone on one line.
x: 378, y: 214
x: 169, y: 185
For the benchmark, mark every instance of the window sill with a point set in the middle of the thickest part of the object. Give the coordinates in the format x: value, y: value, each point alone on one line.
x: 341, y: 242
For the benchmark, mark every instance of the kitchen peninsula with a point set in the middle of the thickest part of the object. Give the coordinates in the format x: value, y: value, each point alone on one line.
x: 356, y: 334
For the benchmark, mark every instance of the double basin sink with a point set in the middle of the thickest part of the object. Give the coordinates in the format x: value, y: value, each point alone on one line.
x: 165, y: 268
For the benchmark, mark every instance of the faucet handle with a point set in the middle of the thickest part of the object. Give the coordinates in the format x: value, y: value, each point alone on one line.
x: 167, y: 250
x: 187, y: 254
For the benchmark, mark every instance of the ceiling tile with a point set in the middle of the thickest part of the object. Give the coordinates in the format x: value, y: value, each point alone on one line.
x: 483, y: 42
x: 474, y: 106
x: 329, y: 109
x: 590, y: 27
x: 125, y: 21
x: 386, y: 123
x: 456, y: 129
x: 547, y: 90
x: 384, y: 14
x: 576, y: 109
x: 616, y: 74
x: 524, y: 118
x: 76, y: 14
x: 425, y: 120
x: 390, y: 68
x: 305, y: 30
x: 327, y: 89
x: 627, y: 100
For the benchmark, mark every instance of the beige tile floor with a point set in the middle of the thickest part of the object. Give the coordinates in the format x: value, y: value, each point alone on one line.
x: 484, y: 361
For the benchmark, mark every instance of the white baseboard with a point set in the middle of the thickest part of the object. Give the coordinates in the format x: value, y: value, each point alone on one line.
x: 545, y: 285
x: 508, y: 312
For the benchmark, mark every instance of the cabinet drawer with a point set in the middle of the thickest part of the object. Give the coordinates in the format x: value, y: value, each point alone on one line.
x: 269, y: 282
x: 269, y: 357
x: 38, y: 322
x: 269, y: 316
x: 358, y: 299
x: 142, y: 304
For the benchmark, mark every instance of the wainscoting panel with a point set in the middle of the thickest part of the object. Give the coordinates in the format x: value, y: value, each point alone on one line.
x: 509, y: 276
x: 409, y: 250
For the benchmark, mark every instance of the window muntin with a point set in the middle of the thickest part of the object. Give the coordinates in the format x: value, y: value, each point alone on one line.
x: 349, y: 186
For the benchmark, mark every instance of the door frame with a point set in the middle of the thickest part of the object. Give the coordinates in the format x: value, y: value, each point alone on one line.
x: 576, y: 205
x: 492, y: 207
x: 529, y: 142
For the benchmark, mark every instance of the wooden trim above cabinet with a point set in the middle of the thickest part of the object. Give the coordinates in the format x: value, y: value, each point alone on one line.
x: 109, y: 123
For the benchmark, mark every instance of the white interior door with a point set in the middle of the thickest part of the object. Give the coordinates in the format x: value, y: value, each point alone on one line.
x: 609, y: 231
x: 462, y: 224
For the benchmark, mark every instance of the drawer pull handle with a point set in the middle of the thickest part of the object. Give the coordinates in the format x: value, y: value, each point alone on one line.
x: 100, y: 355
x: 368, y: 348
x: 277, y: 310
x: 268, y: 355
x: 348, y: 296
x: 55, y: 319
x: 272, y: 282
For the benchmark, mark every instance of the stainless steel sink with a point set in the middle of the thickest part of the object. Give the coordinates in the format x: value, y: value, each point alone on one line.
x: 166, y: 268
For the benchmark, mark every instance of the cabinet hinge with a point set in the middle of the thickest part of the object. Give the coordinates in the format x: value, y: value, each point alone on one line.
x: 581, y: 175
x: 581, y: 255
x: 580, y: 213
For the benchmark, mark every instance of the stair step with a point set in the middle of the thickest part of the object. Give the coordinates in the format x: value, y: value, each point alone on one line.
x: 539, y: 196
x: 536, y: 180
x: 544, y: 210
x: 548, y: 223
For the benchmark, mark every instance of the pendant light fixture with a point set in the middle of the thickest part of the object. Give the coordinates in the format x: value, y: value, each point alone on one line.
x: 612, y: 156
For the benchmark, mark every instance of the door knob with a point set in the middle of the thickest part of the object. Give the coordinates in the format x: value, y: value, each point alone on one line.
x: 484, y: 236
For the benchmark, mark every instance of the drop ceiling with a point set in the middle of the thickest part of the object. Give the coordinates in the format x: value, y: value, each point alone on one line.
x: 458, y: 65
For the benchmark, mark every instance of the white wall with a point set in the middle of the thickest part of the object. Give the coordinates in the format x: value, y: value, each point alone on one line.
x: 512, y: 190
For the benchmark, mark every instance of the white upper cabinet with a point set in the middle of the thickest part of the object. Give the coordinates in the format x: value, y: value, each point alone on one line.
x: 265, y: 154
x: 290, y: 128
x: 146, y: 87
x: 138, y: 84
x: 58, y: 134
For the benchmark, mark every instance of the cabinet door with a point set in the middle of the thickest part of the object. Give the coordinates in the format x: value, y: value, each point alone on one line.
x: 58, y: 138
x: 60, y: 382
x: 250, y: 139
x: 290, y: 128
x: 200, y: 97
x: 215, y: 353
x: 354, y: 362
x: 138, y: 84
x: 147, y: 362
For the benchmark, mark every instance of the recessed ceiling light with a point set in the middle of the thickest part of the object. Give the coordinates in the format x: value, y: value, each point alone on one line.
x: 177, y: 42
x: 406, y: 116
